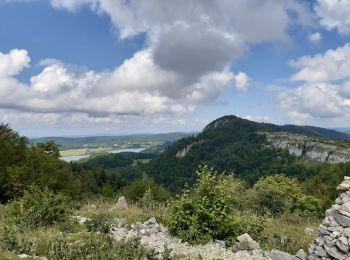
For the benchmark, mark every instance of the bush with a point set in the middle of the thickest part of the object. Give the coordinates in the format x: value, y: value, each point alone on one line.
x: 309, y: 206
x: 206, y: 212
x: 279, y: 194
x: 136, y: 190
x: 10, y: 240
x: 99, y: 223
x: 38, y: 208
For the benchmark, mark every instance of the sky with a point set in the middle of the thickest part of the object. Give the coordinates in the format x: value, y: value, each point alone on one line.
x: 91, y: 67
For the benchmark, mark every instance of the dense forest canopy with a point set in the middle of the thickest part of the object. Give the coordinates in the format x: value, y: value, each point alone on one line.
x: 234, y: 145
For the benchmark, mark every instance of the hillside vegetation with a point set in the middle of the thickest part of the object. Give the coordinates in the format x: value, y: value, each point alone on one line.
x: 234, y: 145
x: 222, y: 183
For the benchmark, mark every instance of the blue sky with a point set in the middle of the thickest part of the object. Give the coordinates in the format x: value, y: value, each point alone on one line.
x: 84, y: 67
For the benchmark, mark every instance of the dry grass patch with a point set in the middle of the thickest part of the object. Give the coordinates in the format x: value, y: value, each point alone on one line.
x: 134, y: 213
x: 286, y: 233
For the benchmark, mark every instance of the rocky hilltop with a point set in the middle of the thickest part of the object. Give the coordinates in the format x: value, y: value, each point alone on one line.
x: 301, y: 145
x: 233, y: 144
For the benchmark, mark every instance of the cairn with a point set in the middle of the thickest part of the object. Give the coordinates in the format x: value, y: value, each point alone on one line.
x: 333, y: 239
x: 122, y: 203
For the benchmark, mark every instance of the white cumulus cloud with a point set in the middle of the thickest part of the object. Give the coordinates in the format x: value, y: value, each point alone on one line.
x: 315, y: 37
x: 331, y: 65
x: 334, y: 14
x: 242, y: 81
x: 324, y: 92
x: 12, y: 63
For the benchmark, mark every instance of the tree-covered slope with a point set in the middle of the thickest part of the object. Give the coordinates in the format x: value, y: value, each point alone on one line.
x: 232, y: 144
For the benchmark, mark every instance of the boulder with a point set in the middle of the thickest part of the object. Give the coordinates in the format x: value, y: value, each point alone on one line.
x: 279, y: 255
x: 345, y: 206
x: 334, y: 252
x: 341, y: 219
x: 80, y: 219
x: 301, y: 255
x: 245, y: 242
x: 346, y: 232
x: 313, y: 257
x: 321, y: 252
x: 344, y: 186
x: 342, y: 244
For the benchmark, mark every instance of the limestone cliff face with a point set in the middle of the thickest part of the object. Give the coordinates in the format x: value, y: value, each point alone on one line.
x: 300, y: 145
x: 182, y: 153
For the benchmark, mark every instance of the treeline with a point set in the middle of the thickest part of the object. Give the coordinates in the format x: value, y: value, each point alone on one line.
x: 23, y: 165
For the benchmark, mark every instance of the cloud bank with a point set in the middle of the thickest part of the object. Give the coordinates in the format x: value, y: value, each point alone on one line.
x: 190, y: 46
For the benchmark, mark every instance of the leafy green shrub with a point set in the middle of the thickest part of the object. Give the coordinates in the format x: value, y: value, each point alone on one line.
x: 136, y: 190
x: 10, y: 240
x: 206, y: 212
x: 38, y: 208
x: 248, y: 223
x: 309, y: 206
x: 99, y: 223
x: 275, y: 194
x: 279, y: 194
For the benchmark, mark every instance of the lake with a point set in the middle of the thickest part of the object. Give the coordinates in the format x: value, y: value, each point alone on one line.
x: 79, y: 157
x: 134, y: 150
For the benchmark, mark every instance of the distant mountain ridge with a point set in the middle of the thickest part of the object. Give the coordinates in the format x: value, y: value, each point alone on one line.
x: 78, y: 142
x: 236, y: 145
x: 343, y: 130
x: 295, y: 129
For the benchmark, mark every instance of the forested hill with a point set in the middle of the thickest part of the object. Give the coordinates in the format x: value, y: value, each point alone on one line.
x: 227, y: 122
x: 234, y: 145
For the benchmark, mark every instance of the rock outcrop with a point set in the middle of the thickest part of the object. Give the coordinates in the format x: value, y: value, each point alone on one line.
x: 301, y: 145
x: 333, y: 240
x: 182, y: 153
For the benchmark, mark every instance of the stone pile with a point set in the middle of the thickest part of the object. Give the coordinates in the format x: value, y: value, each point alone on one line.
x: 333, y: 240
x: 122, y: 203
x: 155, y: 237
